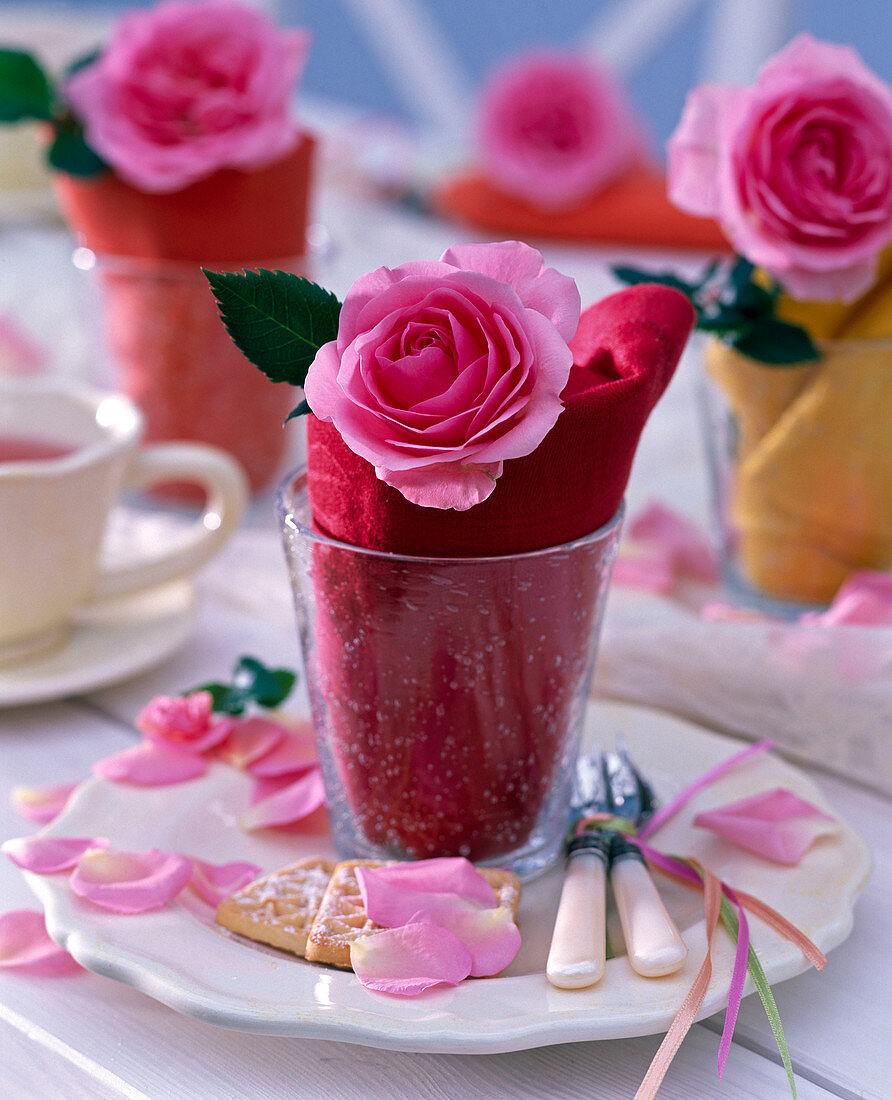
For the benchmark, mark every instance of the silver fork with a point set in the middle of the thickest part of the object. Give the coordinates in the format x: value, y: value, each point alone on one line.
x: 653, y: 943
x: 578, y: 953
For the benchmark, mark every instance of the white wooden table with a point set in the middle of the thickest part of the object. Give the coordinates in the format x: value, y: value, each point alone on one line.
x: 87, y: 1036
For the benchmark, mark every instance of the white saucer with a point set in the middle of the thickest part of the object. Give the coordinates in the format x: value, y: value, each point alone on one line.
x: 106, y: 644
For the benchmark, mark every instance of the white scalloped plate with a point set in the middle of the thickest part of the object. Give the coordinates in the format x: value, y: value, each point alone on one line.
x: 178, y: 956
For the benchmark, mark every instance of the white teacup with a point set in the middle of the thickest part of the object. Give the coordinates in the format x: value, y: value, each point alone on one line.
x: 66, y: 453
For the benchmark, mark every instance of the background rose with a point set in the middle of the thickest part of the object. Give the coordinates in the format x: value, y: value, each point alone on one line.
x: 441, y: 371
x: 797, y: 168
x: 554, y: 129
x: 187, y: 88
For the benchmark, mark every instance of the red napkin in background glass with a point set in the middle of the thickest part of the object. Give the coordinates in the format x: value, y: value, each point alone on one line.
x: 449, y: 690
x: 170, y: 353
x: 634, y: 210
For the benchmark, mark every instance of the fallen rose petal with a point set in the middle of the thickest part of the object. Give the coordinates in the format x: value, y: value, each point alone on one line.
x: 250, y: 739
x: 661, y: 529
x: 865, y: 600
x: 26, y: 945
x: 490, y: 935
x: 130, y: 882
x: 292, y: 803
x: 777, y: 825
x: 215, y: 881
x: 294, y: 754
x: 408, y: 960
x: 394, y: 896
x: 150, y: 765
x: 45, y: 855
x: 42, y: 804
x: 715, y: 611
x: 444, y: 874
x: 650, y: 571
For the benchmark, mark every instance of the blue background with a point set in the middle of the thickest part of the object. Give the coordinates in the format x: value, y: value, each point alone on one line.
x: 345, y: 68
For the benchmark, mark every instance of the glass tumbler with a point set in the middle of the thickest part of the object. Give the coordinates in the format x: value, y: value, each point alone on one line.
x: 800, y: 468
x: 448, y: 694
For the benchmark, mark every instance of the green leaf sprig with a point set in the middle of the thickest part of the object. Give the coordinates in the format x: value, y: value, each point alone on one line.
x: 742, y: 312
x: 29, y: 94
x: 278, y: 320
x: 252, y: 682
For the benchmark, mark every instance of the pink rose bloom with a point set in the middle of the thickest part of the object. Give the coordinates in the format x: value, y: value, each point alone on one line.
x: 186, y: 88
x: 442, y: 371
x: 185, y: 723
x: 553, y: 129
x: 797, y: 168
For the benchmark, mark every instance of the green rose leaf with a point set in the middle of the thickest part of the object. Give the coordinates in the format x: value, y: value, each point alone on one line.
x: 70, y: 153
x: 776, y: 343
x: 739, y: 310
x: 631, y: 276
x: 277, y: 320
x: 25, y: 89
x: 252, y: 682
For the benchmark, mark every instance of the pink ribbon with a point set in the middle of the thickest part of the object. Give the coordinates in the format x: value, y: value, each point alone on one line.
x: 713, y: 889
x: 662, y: 816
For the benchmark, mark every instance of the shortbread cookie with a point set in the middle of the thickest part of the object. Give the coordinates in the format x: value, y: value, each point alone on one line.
x: 279, y: 908
x: 342, y: 917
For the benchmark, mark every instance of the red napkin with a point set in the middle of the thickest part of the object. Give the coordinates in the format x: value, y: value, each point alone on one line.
x: 162, y: 329
x: 632, y: 211
x: 231, y: 217
x: 624, y: 352
x: 450, y: 689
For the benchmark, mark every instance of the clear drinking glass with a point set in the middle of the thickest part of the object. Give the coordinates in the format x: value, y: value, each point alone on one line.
x: 448, y: 694
x: 800, y: 469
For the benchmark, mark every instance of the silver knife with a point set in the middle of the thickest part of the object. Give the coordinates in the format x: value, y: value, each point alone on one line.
x: 653, y: 943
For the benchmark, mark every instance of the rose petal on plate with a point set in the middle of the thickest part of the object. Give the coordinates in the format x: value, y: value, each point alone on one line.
x: 444, y: 874
x: 150, y: 765
x: 295, y: 753
x: 292, y: 803
x: 42, y: 804
x: 408, y: 960
x: 490, y: 935
x: 394, y: 896
x: 215, y: 881
x: 250, y: 739
x: 25, y: 944
x: 662, y: 529
x: 130, y: 882
x: 45, y: 855
x: 777, y: 825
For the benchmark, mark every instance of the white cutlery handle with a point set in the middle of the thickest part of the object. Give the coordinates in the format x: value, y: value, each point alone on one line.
x: 578, y: 952
x: 653, y: 943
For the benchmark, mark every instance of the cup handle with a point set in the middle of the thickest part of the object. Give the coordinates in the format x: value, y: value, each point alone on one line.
x: 226, y: 488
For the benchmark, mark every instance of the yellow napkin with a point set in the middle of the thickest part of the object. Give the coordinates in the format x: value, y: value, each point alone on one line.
x: 812, y: 495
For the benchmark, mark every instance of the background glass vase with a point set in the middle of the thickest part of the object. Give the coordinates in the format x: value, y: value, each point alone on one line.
x: 169, y: 352
x: 800, y: 466
x: 447, y: 694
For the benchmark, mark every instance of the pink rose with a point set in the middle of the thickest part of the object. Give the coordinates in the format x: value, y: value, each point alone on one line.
x: 441, y: 371
x: 797, y: 168
x: 554, y: 129
x: 187, y: 88
x: 185, y: 723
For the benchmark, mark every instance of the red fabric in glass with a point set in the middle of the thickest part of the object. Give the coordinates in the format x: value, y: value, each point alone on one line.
x: 625, y: 351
